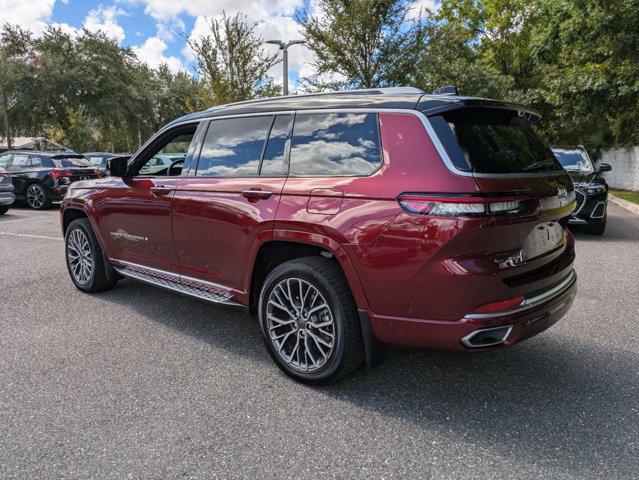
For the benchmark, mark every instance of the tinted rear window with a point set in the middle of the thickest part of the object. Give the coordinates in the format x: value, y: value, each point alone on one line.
x: 70, y: 162
x: 335, y: 144
x: 493, y: 141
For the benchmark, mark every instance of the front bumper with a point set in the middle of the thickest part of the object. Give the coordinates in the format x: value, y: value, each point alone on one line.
x: 7, y: 198
x: 590, y: 208
x: 539, y: 311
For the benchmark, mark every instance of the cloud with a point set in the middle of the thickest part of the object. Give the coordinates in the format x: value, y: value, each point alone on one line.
x: 421, y: 5
x: 30, y: 14
x: 104, y: 20
x: 152, y: 51
x: 168, y: 9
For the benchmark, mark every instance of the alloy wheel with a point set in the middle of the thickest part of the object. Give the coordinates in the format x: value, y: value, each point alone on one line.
x: 35, y: 196
x: 301, y: 325
x: 79, y: 256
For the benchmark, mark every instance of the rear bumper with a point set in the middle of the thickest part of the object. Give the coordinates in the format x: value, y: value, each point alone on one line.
x: 540, y: 311
x: 7, y: 198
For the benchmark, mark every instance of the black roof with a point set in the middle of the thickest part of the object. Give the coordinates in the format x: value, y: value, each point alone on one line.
x: 391, y: 98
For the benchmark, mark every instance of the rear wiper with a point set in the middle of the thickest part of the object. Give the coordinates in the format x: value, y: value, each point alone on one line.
x: 542, y: 164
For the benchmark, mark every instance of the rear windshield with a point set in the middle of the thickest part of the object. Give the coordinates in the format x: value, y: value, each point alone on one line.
x: 574, y: 160
x: 497, y: 141
x: 71, y: 162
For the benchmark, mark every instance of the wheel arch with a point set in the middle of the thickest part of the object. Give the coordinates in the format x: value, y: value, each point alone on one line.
x: 288, y: 245
x: 73, y: 211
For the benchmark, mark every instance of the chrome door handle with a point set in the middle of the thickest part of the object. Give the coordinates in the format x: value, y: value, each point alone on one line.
x: 253, y: 194
x: 161, y: 189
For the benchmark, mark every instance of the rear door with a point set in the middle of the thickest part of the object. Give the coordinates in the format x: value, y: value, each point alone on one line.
x: 225, y: 209
x: 511, y: 164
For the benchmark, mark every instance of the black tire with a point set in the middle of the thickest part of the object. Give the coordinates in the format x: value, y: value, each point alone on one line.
x: 98, y: 280
x: 597, y: 228
x: 37, y: 197
x: 4, y: 209
x: 326, y: 277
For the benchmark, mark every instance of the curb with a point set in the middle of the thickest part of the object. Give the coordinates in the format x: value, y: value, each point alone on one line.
x: 632, y: 207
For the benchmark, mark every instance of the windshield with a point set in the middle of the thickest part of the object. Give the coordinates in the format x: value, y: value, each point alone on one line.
x: 574, y: 160
x: 71, y: 162
x: 494, y: 141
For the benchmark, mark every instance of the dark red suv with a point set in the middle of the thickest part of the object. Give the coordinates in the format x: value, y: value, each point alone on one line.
x: 345, y: 221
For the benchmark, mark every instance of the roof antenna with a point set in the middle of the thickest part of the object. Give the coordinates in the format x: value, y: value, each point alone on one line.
x: 448, y: 90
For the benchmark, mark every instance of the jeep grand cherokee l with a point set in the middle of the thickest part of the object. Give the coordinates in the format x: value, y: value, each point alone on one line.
x: 344, y: 221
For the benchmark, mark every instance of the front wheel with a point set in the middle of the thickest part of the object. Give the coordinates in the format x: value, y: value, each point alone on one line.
x: 37, y: 197
x: 4, y: 209
x: 309, y: 321
x: 84, y: 257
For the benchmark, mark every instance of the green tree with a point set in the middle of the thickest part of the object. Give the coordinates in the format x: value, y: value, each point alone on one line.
x: 232, y: 61
x: 367, y: 43
x: 15, y: 69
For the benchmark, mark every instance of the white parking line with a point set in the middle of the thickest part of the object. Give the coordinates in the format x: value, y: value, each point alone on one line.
x: 30, y: 236
x: 25, y: 219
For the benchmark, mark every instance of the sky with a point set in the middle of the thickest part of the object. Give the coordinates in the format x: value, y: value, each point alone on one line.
x: 154, y: 28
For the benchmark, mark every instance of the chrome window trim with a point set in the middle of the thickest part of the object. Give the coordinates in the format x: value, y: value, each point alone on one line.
x: 419, y: 114
x: 533, y: 302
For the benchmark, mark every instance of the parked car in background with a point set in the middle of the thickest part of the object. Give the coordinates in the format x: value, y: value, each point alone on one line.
x: 591, y: 188
x: 6, y: 191
x: 343, y: 221
x: 40, y: 178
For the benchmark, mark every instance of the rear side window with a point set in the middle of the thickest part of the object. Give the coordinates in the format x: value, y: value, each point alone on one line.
x: 35, y: 161
x: 335, y: 144
x: 494, y: 141
x: 233, y: 147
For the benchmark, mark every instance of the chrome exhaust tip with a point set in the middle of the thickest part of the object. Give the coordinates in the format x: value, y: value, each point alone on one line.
x: 487, y: 337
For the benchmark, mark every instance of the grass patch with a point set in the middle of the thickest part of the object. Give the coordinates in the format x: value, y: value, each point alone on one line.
x: 630, y: 196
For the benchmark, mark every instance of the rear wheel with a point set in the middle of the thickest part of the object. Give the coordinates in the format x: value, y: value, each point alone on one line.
x: 309, y: 321
x: 4, y: 209
x: 598, y: 227
x: 85, y: 259
x: 37, y: 197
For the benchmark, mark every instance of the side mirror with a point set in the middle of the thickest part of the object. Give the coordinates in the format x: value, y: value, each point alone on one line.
x: 604, y: 167
x: 117, y: 166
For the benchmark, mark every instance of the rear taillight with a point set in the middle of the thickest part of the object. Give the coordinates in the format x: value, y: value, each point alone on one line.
x: 457, y: 206
x: 500, y: 306
x: 63, y: 178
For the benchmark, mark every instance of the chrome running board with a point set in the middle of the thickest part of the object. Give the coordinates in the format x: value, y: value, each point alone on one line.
x: 211, y: 292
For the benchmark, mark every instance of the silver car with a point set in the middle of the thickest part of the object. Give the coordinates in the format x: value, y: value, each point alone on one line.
x: 6, y: 191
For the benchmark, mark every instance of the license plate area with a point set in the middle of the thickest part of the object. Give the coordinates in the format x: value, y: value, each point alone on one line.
x: 543, y: 238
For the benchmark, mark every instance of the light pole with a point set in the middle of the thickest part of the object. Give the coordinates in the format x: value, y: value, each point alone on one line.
x: 284, y: 47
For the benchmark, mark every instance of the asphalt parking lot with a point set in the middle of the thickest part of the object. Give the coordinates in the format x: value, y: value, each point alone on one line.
x: 138, y: 382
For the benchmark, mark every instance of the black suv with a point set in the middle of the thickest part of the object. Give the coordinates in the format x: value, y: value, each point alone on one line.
x: 590, y: 187
x: 41, y: 178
